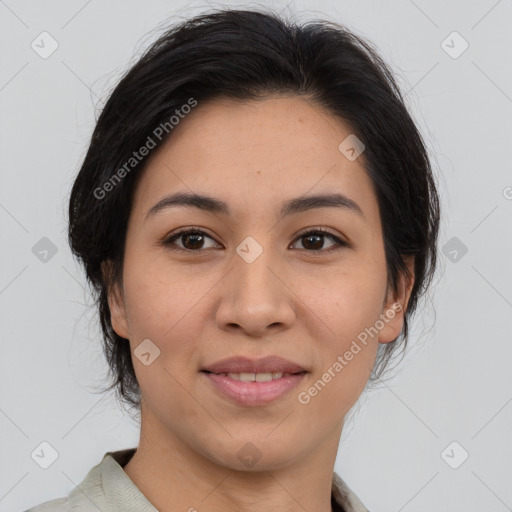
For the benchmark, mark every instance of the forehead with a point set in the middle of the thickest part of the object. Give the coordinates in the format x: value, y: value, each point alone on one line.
x: 290, y: 127
x: 254, y: 153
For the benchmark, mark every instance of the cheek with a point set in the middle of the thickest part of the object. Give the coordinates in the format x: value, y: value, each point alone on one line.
x: 347, y: 302
x: 159, y: 297
x: 163, y: 305
x: 346, y: 346
x: 345, y: 310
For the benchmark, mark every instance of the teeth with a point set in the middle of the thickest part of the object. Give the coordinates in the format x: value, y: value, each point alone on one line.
x: 255, y: 377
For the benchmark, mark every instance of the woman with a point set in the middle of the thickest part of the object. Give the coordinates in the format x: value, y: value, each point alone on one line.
x: 258, y: 216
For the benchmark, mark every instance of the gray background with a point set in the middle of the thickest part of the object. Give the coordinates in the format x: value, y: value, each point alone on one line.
x: 455, y: 382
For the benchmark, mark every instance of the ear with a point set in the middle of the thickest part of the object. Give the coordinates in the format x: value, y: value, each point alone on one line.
x: 395, y: 305
x: 115, y: 302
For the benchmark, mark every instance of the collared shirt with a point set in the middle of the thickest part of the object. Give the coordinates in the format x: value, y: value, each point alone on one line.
x: 107, y: 488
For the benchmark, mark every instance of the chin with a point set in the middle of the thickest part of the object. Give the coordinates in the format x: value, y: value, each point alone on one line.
x: 255, y: 456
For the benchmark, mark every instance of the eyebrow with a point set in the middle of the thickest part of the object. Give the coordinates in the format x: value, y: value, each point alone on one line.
x: 291, y: 206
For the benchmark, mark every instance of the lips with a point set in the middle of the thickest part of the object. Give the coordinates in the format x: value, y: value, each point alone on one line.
x: 253, y: 393
x: 245, y: 365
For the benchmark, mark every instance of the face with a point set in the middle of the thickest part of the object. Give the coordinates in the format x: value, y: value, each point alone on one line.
x: 250, y: 281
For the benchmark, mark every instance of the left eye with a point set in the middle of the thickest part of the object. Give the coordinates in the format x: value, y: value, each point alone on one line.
x: 317, y: 236
x: 193, y: 240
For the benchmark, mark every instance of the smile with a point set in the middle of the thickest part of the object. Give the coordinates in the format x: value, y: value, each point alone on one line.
x: 253, y: 389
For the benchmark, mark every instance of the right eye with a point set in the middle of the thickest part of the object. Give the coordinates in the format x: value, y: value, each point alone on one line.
x: 192, y: 240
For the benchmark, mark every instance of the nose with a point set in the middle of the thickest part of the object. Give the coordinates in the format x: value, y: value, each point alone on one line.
x: 256, y: 297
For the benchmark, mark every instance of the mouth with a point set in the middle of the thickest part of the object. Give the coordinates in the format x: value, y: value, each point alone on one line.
x: 244, y: 366
x: 255, y: 377
x: 253, y: 389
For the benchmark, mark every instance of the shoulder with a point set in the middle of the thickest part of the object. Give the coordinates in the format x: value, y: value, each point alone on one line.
x: 58, y: 505
x: 86, y: 497
x: 72, y: 503
x: 105, y: 484
x: 345, y: 497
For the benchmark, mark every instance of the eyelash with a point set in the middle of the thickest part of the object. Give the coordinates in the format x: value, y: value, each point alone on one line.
x: 169, y: 242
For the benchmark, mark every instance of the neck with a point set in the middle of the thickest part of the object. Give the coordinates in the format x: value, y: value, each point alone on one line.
x: 173, y: 476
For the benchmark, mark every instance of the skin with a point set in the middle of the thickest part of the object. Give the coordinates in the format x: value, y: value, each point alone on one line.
x: 200, y: 307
